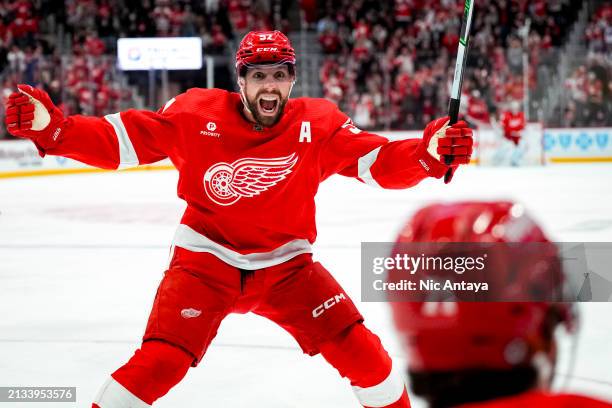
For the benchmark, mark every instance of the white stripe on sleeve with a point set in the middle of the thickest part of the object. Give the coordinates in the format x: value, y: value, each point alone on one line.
x: 127, y: 154
x: 363, y: 167
x: 167, y: 105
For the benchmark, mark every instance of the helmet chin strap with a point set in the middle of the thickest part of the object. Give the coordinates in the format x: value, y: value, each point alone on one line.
x: 241, y: 85
x: 291, y: 88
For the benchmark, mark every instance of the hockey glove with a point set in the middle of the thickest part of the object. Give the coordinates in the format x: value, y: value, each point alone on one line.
x: 31, y: 114
x: 443, y: 144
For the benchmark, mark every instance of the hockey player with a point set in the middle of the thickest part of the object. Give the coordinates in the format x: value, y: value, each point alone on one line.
x: 514, y: 146
x: 250, y: 164
x: 513, y: 123
x: 496, y: 354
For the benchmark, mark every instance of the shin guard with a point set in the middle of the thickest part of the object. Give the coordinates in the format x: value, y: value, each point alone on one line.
x: 153, y: 370
x: 358, y: 354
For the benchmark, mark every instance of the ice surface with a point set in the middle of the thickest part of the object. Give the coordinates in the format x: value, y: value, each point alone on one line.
x: 81, y: 257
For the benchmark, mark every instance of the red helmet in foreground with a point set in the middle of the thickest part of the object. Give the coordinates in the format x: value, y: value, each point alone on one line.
x: 457, y: 336
x: 264, y: 47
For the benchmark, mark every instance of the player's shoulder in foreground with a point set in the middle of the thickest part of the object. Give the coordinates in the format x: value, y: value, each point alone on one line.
x: 201, y: 101
x: 542, y: 400
x: 319, y: 111
x: 579, y: 401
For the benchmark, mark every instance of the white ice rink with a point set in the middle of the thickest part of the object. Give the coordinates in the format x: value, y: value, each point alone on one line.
x: 81, y: 257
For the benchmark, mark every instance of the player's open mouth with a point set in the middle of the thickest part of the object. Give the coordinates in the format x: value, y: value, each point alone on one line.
x: 268, y: 104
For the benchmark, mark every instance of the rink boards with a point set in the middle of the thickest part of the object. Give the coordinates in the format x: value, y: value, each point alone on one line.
x: 558, y: 145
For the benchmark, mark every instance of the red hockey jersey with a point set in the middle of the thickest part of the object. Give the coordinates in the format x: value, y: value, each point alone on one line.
x: 513, y: 124
x: 249, y: 190
x: 537, y: 399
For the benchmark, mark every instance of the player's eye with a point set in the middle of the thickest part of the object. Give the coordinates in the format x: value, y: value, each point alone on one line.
x: 280, y: 75
x: 258, y: 75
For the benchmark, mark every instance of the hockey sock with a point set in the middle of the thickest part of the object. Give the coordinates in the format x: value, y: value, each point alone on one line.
x: 358, y: 354
x: 153, y: 370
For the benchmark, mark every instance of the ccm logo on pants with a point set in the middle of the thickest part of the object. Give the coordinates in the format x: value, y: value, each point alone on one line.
x: 328, y: 304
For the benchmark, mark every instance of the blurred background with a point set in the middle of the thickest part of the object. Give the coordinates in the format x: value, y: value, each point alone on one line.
x: 386, y: 63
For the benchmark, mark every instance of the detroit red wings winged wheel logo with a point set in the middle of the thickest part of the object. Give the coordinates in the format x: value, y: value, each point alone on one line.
x: 226, y: 183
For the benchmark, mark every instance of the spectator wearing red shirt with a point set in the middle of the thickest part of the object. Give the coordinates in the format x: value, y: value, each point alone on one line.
x: 362, y: 30
x: 477, y: 110
x: 330, y: 42
x: 362, y: 49
x: 403, y: 11
x: 18, y: 28
x: 450, y: 40
x: 93, y: 45
x: 219, y: 40
x: 310, y: 10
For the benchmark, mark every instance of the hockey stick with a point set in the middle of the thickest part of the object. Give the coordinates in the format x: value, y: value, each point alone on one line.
x: 462, y: 51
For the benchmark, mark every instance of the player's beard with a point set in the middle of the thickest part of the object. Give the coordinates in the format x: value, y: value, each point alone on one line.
x: 266, y: 120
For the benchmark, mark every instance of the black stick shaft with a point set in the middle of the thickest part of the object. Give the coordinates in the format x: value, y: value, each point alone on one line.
x: 462, y: 52
x: 453, y: 110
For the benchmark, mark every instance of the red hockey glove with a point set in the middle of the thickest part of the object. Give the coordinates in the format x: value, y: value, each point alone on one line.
x: 443, y: 144
x: 31, y: 114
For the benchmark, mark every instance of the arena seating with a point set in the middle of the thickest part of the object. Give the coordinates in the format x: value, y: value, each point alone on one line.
x: 386, y: 63
x: 389, y: 63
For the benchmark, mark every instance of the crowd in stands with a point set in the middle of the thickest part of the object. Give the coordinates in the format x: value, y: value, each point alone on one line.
x: 81, y: 81
x: 590, y: 86
x: 387, y: 63
x: 66, y: 46
x: 390, y: 63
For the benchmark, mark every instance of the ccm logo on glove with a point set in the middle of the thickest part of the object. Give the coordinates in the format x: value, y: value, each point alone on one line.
x: 31, y: 114
x: 443, y: 144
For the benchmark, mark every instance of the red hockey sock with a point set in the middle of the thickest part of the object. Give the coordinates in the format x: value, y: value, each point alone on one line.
x: 358, y: 355
x: 153, y: 370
